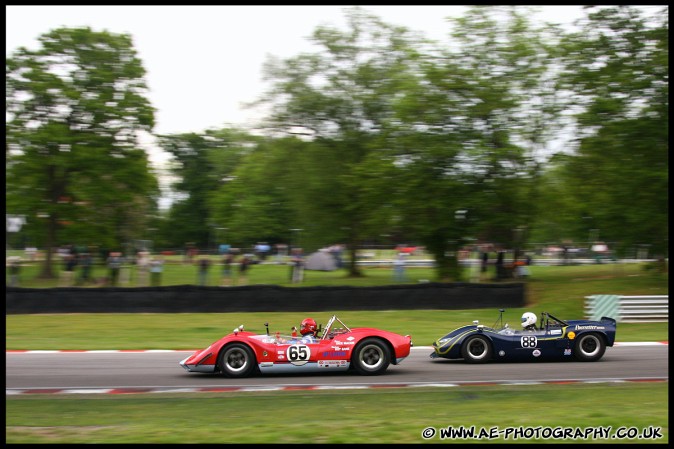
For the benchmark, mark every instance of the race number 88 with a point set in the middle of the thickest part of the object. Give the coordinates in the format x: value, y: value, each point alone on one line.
x: 528, y: 341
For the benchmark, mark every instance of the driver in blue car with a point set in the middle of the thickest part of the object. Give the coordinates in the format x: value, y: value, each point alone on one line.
x: 308, y: 329
x: 529, y: 321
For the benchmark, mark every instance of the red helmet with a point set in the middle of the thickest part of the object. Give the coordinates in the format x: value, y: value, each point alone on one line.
x: 308, y: 326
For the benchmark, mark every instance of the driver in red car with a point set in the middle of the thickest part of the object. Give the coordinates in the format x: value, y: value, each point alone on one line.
x: 308, y: 329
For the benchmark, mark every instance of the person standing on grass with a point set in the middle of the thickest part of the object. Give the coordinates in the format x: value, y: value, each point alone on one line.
x: 204, y: 264
x: 114, y: 265
x: 85, y: 270
x: 297, y: 266
x: 244, y: 265
x: 69, y: 272
x: 156, y: 266
x: 227, y: 262
x: 399, y: 268
x: 14, y: 271
x: 142, y: 264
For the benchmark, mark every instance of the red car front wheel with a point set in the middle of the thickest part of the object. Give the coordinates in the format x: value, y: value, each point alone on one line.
x: 237, y: 360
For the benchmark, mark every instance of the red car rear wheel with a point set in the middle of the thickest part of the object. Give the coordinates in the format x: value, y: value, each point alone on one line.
x: 371, y: 356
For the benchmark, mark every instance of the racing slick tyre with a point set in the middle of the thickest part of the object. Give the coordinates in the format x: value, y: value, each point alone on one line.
x: 589, y: 348
x: 237, y: 360
x: 371, y: 356
x: 476, y: 349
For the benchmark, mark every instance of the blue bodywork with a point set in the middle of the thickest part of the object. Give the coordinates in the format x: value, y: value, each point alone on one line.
x: 554, y: 339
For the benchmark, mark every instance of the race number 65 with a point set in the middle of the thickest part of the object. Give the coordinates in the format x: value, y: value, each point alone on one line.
x: 298, y: 354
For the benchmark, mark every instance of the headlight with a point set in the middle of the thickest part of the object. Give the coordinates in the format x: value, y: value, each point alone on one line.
x: 444, y: 341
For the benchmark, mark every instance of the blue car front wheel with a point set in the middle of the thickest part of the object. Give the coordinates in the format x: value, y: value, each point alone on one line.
x: 476, y: 349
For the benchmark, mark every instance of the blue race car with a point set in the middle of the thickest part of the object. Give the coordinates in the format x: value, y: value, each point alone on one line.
x: 554, y: 339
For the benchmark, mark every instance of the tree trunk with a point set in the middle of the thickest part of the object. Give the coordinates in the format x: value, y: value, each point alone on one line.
x: 47, y: 271
x: 354, y: 271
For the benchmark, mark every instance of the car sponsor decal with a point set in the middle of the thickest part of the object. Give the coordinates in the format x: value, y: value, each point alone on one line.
x: 555, y: 332
x: 332, y: 363
x: 567, y: 352
x: 501, y: 353
x: 528, y: 341
x: 334, y: 354
x: 298, y: 354
x: 339, y: 348
x: 589, y: 327
x: 536, y: 353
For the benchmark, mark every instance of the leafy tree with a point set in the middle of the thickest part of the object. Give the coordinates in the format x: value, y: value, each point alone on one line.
x: 340, y: 99
x: 257, y: 201
x: 617, y: 66
x: 463, y: 146
x: 202, y: 162
x: 75, y: 109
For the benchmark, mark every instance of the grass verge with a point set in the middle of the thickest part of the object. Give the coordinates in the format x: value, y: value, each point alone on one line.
x: 345, y: 416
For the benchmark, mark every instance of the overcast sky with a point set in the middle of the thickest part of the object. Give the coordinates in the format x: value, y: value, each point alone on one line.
x: 204, y: 62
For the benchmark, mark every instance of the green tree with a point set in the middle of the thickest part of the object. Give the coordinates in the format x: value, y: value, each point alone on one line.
x: 468, y: 128
x: 617, y: 65
x: 256, y: 201
x: 75, y: 109
x: 340, y: 99
x: 201, y: 163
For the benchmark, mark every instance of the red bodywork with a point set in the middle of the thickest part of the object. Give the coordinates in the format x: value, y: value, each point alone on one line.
x: 334, y: 350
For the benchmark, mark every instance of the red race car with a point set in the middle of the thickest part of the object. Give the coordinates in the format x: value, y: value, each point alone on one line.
x: 366, y: 350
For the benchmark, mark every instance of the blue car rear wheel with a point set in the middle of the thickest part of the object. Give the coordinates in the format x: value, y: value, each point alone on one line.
x: 589, y: 347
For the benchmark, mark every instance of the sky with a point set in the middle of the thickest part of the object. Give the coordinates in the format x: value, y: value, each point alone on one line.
x: 204, y: 62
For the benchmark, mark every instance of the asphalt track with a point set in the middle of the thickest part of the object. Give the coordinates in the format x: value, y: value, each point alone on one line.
x: 124, y: 372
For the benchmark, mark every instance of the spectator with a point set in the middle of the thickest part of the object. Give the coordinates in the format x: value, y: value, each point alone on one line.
x: 521, y: 269
x: 485, y: 264
x: 14, y: 271
x: 244, y: 265
x: 70, y: 262
x: 297, y: 266
x: 227, y: 262
x: 261, y: 250
x: 281, y: 252
x: 500, y: 265
x: 85, y: 272
x: 204, y: 265
x: 114, y: 265
x: 399, y: 268
x: 156, y: 266
x: 142, y: 262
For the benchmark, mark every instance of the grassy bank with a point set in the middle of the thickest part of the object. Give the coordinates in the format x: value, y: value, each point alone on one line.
x: 344, y: 416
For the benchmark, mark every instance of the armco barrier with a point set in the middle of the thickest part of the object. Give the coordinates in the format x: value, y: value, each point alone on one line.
x: 263, y: 298
x: 628, y: 309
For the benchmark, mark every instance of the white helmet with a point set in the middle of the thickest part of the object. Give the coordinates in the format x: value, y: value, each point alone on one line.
x: 528, y: 319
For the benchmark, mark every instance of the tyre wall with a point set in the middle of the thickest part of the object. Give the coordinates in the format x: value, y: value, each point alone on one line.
x: 263, y: 298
